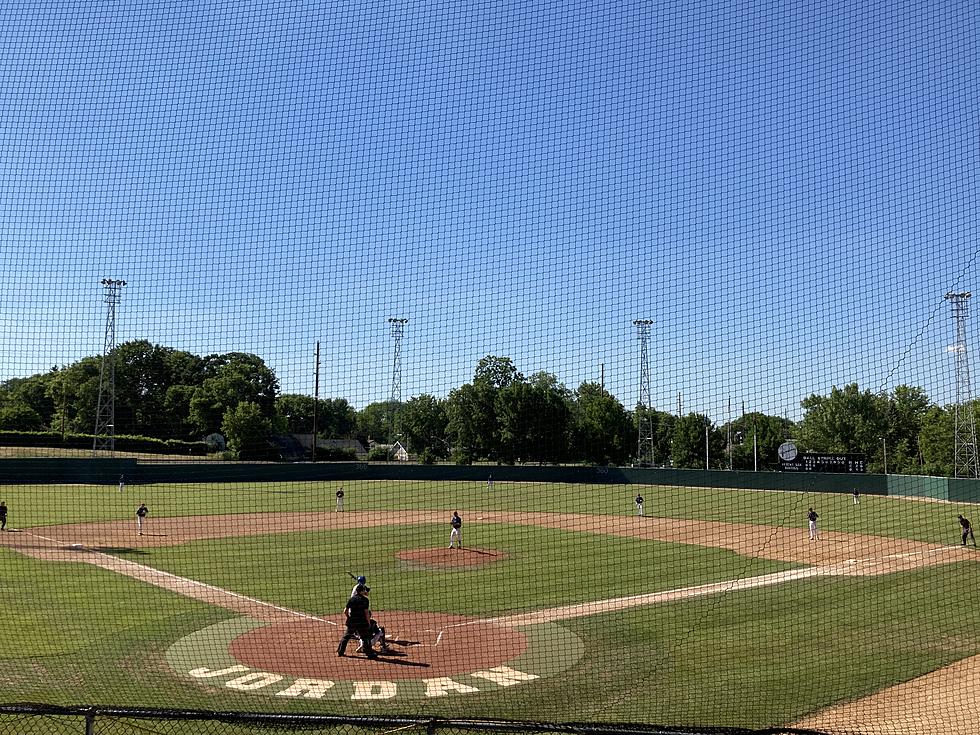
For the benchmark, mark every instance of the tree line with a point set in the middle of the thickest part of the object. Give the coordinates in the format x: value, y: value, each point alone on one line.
x: 499, y: 416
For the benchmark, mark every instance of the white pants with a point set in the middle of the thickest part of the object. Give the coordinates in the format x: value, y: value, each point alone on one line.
x: 139, y: 524
x: 340, y: 504
x: 857, y: 500
x: 813, y: 530
x: 639, y: 509
x: 457, y: 535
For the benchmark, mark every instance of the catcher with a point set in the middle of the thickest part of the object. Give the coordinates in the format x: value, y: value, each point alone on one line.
x: 378, y: 638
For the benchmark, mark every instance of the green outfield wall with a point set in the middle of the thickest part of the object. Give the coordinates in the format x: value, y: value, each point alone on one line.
x: 101, y: 471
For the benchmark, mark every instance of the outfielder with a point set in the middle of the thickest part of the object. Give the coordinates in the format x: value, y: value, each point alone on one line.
x: 340, y: 500
x: 3, y: 515
x: 456, y: 534
x: 639, y: 504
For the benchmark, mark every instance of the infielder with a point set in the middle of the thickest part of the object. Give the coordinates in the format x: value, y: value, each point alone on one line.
x: 141, y: 514
x: 456, y: 534
x: 3, y: 515
x: 639, y: 504
x: 340, y: 500
x: 811, y: 517
x: 967, y: 530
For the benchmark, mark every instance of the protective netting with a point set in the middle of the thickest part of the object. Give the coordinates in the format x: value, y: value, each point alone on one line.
x: 669, y: 302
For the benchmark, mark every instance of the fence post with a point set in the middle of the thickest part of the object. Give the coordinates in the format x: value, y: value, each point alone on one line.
x: 90, y: 721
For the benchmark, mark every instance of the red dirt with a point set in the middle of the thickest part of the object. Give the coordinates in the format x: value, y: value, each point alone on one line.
x: 445, y: 558
x: 425, y: 645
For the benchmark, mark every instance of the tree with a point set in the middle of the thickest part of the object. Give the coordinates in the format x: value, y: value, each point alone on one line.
x: 602, y: 430
x: 423, y: 426
x: 496, y: 372
x: 375, y: 422
x: 936, y: 441
x: 533, y: 418
x: 848, y: 420
x: 905, y: 412
x: 756, y: 438
x: 229, y: 380
x: 688, y: 442
x: 247, y: 430
x: 19, y: 417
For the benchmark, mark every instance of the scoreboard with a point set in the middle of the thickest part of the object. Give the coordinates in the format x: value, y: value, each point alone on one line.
x: 816, y: 462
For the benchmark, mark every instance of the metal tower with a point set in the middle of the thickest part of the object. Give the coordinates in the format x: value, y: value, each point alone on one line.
x: 644, y: 423
x: 964, y: 424
x: 104, y: 436
x: 397, y: 332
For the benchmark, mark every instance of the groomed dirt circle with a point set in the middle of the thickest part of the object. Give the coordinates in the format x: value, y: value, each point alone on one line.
x: 424, y: 645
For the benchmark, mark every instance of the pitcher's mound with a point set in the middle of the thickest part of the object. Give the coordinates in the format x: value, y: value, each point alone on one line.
x: 443, y: 558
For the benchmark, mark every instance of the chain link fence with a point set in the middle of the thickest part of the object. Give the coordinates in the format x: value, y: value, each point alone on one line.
x: 32, y: 719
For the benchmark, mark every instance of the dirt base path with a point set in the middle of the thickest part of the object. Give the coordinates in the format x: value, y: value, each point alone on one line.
x: 940, y: 702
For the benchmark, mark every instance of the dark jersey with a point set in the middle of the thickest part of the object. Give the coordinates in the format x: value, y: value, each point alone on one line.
x: 456, y: 522
x: 966, y: 524
x: 142, y: 511
x: 812, y: 516
x: 639, y: 499
x: 357, y: 610
x: 3, y: 511
x: 340, y: 493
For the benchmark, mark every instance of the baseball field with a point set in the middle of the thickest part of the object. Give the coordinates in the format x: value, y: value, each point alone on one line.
x: 714, y: 608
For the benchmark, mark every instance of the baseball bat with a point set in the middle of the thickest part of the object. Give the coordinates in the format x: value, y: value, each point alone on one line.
x: 351, y: 575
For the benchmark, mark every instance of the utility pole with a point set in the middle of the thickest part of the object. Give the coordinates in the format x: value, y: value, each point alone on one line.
x: 964, y: 424
x: 316, y: 396
x: 644, y: 423
x: 104, y: 436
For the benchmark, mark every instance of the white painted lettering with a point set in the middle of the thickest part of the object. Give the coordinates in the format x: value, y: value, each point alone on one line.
x: 442, y: 686
x: 255, y: 680
x: 504, y: 676
x: 206, y: 673
x: 308, y: 688
x: 374, y: 690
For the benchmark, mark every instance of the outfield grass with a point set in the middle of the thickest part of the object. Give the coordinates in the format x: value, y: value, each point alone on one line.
x: 886, y: 516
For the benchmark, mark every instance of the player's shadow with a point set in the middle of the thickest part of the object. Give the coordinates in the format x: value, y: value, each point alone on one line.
x: 383, y: 658
x: 120, y: 550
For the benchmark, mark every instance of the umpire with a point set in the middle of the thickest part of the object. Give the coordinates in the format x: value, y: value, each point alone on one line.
x: 358, y: 622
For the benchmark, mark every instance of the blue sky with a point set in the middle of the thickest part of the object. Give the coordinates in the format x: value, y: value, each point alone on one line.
x: 786, y: 189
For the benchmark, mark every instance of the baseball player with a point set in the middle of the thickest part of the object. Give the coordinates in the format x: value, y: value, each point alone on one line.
x: 378, y: 638
x: 811, y: 517
x: 141, y: 514
x: 358, y: 622
x: 456, y: 534
x: 639, y: 504
x: 490, y: 483
x: 361, y: 580
x: 967, y: 528
x: 340, y: 500
x: 856, y: 496
x: 122, y: 483
x: 3, y: 515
